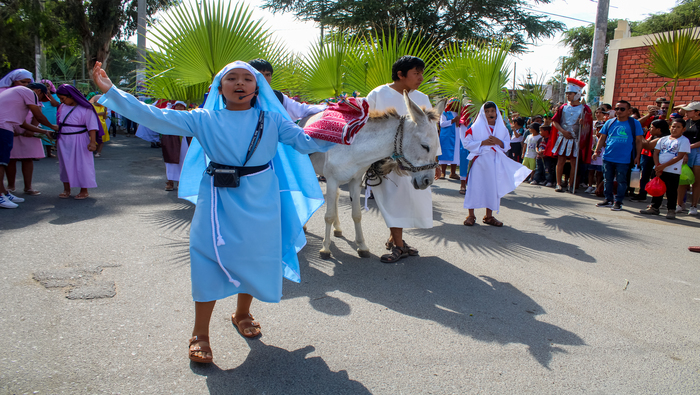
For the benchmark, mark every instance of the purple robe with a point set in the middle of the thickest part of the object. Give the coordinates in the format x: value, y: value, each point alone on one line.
x: 77, y: 164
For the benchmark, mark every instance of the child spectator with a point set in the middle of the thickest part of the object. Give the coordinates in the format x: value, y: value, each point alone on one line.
x: 595, y: 168
x: 658, y: 129
x: 532, y: 142
x: 668, y: 157
x: 516, y: 139
x: 549, y: 158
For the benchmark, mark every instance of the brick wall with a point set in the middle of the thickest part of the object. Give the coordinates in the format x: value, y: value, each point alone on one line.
x: 632, y: 83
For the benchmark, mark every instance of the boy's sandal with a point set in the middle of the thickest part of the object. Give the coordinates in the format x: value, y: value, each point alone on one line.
x: 470, y: 221
x: 454, y: 177
x: 64, y: 195
x: 462, y: 191
x: 397, y: 253
x: 246, y: 323
x: 81, y: 196
x: 411, y: 251
x: 32, y: 192
x: 204, y: 349
x: 492, y: 221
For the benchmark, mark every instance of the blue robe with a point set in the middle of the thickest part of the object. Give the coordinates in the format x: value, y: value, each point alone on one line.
x: 447, y: 139
x: 236, y: 243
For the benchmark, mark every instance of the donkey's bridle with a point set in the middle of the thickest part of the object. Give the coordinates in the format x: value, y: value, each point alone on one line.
x: 398, y: 155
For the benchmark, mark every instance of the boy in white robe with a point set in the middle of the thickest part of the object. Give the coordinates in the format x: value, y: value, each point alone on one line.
x: 401, y: 205
x: 492, y: 174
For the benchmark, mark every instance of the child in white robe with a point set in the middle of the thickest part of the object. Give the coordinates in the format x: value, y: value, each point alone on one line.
x: 492, y: 174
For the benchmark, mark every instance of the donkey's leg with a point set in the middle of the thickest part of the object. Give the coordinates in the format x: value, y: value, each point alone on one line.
x: 355, y: 200
x: 337, y: 231
x: 331, y: 214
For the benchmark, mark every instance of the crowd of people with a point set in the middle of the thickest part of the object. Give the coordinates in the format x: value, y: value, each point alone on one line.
x: 566, y: 149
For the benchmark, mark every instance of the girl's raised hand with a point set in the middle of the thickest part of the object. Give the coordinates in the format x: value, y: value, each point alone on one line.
x: 99, y: 76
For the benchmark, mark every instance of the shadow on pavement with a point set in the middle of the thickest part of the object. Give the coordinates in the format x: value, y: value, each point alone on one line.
x: 487, y: 241
x: 273, y: 370
x: 431, y: 288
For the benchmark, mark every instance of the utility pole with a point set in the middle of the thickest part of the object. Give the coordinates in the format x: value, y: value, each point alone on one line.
x: 595, y: 80
x: 141, y: 41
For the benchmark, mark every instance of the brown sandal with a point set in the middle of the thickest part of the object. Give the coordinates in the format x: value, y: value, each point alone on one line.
x: 462, y: 191
x: 411, y: 250
x: 205, y: 349
x: 492, y: 221
x: 397, y: 253
x: 244, y: 323
x: 470, y: 221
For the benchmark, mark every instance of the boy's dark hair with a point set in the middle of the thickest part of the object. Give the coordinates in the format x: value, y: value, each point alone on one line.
x: 519, y: 121
x: 404, y: 64
x: 489, y: 104
x: 261, y: 65
x: 625, y: 102
x: 546, y: 127
x: 606, y: 106
x: 662, y: 125
x: 679, y: 120
x: 535, y: 126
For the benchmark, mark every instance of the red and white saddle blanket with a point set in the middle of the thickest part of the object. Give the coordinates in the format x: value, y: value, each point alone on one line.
x: 340, y: 122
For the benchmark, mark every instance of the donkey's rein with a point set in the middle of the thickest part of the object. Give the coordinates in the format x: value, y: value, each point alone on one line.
x: 398, y: 155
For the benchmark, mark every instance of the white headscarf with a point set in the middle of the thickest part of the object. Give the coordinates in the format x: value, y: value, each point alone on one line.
x: 481, y: 129
x: 15, y: 75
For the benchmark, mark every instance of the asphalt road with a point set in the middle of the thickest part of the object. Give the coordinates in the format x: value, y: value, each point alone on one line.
x: 566, y: 298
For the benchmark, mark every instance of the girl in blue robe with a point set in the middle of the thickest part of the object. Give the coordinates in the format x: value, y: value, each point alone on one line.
x: 236, y: 236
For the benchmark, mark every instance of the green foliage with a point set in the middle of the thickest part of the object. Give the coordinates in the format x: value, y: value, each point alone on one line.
x: 675, y: 55
x: 194, y: 42
x: 446, y: 22
x: 580, y: 39
x: 530, y: 98
x: 475, y: 72
x: 685, y: 14
x: 371, y: 59
x: 323, y: 68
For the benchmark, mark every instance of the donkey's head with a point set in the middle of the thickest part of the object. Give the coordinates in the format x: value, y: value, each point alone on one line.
x: 420, y: 141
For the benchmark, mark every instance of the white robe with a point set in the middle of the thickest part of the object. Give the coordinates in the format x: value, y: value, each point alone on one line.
x: 173, y: 170
x: 401, y: 205
x: 492, y: 174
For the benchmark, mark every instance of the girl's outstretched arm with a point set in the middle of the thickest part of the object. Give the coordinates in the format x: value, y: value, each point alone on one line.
x: 180, y: 123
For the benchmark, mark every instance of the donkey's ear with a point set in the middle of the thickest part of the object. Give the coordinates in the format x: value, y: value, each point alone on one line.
x: 417, y: 115
x: 441, y: 106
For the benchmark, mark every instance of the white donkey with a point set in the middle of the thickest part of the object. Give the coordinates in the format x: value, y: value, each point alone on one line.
x: 410, y: 141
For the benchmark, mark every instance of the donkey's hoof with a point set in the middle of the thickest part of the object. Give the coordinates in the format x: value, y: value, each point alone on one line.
x: 363, y: 254
x: 338, y: 233
x: 325, y: 255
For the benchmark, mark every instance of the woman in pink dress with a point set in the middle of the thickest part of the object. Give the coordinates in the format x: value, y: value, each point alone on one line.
x: 25, y: 148
x: 79, y: 129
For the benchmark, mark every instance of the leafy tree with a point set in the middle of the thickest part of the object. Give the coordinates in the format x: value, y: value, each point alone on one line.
x: 445, y: 21
x: 684, y: 15
x: 580, y: 39
x: 97, y: 22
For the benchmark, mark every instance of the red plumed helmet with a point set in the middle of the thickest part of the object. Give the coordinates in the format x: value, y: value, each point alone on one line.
x: 574, y: 81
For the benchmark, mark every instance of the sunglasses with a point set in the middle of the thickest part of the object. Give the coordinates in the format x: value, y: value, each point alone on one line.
x: 620, y: 109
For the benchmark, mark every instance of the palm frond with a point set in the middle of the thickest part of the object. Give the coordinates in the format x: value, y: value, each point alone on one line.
x: 675, y: 55
x: 530, y: 98
x: 476, y: 72
x: 371, y: 59
x: 194, y: 42
x: 323, y: 68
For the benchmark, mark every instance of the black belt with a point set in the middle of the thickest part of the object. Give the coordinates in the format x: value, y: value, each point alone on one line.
x: 241, y: 170
x: 80, y: 132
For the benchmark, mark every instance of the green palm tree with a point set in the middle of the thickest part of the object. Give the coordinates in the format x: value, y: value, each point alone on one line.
x: 475, y: 72
x: 676, y: 56
x: 195, y: 41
